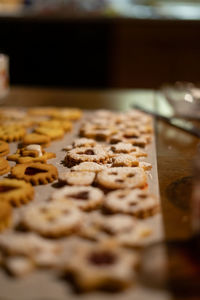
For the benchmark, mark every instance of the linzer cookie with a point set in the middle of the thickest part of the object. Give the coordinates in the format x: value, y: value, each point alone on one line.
x: 103, y: 265
x: 5, y: 215
x: 31, y: 153
x: 72, y: 177
x: 86, y: 154
x: 16, y: 192
x: 34, y: 138
x: 122, y: 177
x: 53, y: 219
x: 11, y: 133
x: 42, y: 111
x: 136, y: 202
x: 35, y: 173
x: 4, y: 148
x: 4, y: 166
x: 85, y: 198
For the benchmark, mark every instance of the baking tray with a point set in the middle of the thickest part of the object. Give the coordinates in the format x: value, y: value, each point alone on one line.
x: 44, y: 284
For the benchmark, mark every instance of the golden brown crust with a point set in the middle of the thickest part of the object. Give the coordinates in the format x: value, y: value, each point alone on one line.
x: 4, y: 166
x: 26, y: 156
x: 16, y: 192
x: 35, y: 173
x: 4, y: 148
x: 35, y: 138
x: 5, y: 215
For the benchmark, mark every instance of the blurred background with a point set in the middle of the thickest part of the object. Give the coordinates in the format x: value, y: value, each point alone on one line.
x: 101, y: 43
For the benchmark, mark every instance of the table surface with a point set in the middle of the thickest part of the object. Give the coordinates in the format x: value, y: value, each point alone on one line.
x: 175, y: 148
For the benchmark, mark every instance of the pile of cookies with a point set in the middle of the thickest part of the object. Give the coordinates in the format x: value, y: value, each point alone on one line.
x: 92, y: 225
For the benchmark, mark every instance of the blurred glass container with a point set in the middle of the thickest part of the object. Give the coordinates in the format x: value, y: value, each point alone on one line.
x: 4, y: 76
x: 184, y: 98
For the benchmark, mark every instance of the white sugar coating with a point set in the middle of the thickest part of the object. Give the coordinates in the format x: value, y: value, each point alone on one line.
x: 145, y: 165
x: 52, y: 219
x: 122, y: 148
x: 19, y: 266
x: 122, y: 177
x: 88, y: 166
x: 84, y: 197
x: 35, y: 147
x: 124, y: 160
x: 83, y: 142
x: 77, y: 177
x: 117, y: 223
x: 131, y: 201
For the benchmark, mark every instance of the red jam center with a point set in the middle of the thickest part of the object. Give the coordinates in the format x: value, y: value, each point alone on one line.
x: 34, y: 171
x: 102, y: 258
x: 80, y: 196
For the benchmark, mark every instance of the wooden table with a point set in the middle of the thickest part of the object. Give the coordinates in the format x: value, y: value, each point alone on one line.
x: 175, y: 149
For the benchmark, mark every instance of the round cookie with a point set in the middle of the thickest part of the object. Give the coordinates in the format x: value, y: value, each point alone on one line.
x: 85, y: 198
x: 4, y: 148
x: 35, y: 173
x: 34, y: 138
x: 102, y: 265
x: 136, y: 202
x: 11, y: 133
x: 53, y: 219
x: 122, y: 177
x: 4, y: 166
x: 5, y: 215
x: 86, y: 154
x: 16, y: 192
x: 77, y: 178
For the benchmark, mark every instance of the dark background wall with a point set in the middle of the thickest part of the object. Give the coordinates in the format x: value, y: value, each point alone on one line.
x: 100, y: 52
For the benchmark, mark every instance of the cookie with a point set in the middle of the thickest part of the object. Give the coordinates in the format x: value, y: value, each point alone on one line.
x: 31, y: 153
x: 16, y: 192
x: 5, y: 215
x: 99, y: 134
x: 145, y: 165
x: 42, y: 111
x: 77, y: 178
x: 71, y: 114
x: 122, y: 177
x: 136, y: 202
x: 53, y: 219
x: 11, y: 133
x: 34, y: 138
x: 81, y: 142
x: 126, y: 230
x: 85, y: 198
x: 86, y: 154
x: 88, y: 167
x: 52, y: 133
x: 126, y: 148
x: 35, y: 173
x: 42, y: 252
x: 65, y: 125
x: 4, y: 148
x: 19, y: 266
x: 124, y: 160
x: 139, y: 141
x: 103, y: 265
x: 4, y: 166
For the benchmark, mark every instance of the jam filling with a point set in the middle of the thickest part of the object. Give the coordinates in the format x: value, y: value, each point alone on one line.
x: 4, y: 188
x: 130, y: 175
x: 34, y: 171
x: 89, y: 152
x: 80, y: 196
x: 102, y: 258
x: 119, y: 180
